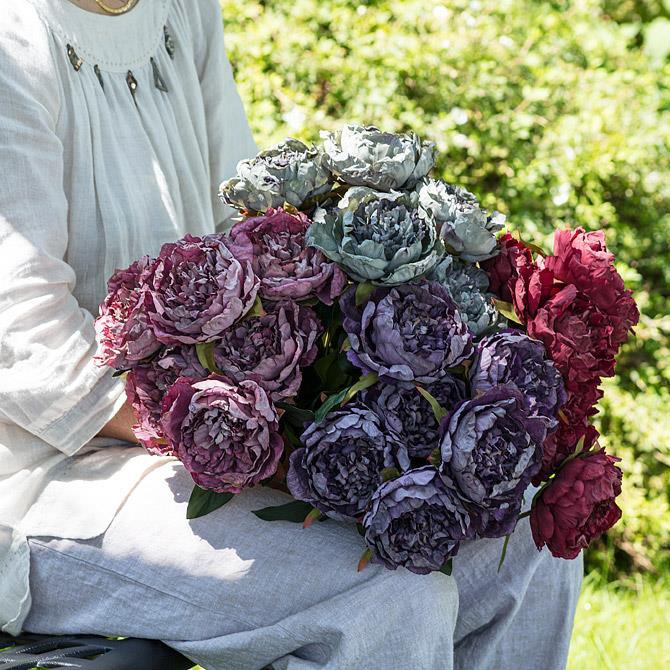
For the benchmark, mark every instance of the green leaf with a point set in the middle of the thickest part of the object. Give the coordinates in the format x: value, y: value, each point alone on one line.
x: 119, y: 373
x: 295, y: 415
x: 507, y: 310
x: 504, y: 551
x: 330, y: 403
x: 203, y: 502
x: 438, y: 410
x: 534, y: 247
x: 257, y: 308
x: 364, y: 382
x: 363, y: 292
x: 205, y: 352
x: 295, y: 511
x: 389, y: 473
x: 448, y: 567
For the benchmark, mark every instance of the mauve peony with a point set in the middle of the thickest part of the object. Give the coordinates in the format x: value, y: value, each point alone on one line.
x: 226, y: 435
x: 578, y: 505
x: 411, y: 332
x: 512, y: 358
x: 122, y: 331
x: 341, y: 464
x: 416, y: 521
x: 275, y: 246
x: 270, y: 349
x: 198, y: 289
x: 147, y: 384
x: 409, y: 414
x: 492, y: 447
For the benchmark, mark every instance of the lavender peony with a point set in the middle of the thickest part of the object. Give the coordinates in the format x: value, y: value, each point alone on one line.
x: 341, y: 464
x: 411, y: 332
x: 271, y: 349
x: 409, y: 414
x: 512, y: 358
x: 492, y: 447
x: 198, y: 289
x: 226, y: 435
x: 275, y: 246
x: 416, y: 521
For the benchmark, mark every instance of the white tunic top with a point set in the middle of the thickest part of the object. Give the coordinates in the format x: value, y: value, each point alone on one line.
x: 98, y: 165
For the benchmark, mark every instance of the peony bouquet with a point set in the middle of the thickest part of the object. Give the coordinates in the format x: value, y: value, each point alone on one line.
x: 367, y: 338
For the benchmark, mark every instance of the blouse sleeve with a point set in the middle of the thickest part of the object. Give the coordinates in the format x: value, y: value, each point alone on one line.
x: 49, y: 384
x: 229, y: 135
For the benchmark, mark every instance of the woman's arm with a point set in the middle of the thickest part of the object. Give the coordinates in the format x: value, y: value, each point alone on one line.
x: 228, y: 133
x: 49, y: 384
x: 120, y: 426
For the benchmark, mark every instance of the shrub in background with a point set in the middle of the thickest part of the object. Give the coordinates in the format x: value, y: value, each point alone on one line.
x: 552, y: 107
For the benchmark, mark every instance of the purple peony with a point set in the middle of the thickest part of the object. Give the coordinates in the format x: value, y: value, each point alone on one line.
x: 410, y: 415
x: 411, y: 332
x: 416, y: 521
x: 514, y: 359
x: 491, y: 447
x: 342, y: 461
x: 275, y: 246
x: 226, y: 435
x: 271, y: 349
x: 198, y: 289
x: 122, y: 331
x: 147, y: 384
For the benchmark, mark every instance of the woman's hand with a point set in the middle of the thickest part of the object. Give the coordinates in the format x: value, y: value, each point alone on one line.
x: 120, y: 427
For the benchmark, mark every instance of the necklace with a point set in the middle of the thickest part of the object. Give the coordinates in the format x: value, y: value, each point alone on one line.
x: 118, y: 10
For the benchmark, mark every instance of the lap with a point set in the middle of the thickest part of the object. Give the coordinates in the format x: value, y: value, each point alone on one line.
x: 225, y: 572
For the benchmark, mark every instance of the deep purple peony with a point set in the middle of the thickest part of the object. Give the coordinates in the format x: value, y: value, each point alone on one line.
x: 410, y: 415
x: 271, y: 349
x: 411, y: 332
x: 198, y: 289
x: 341, y: 464
x: 416, y: 521
x: 492, y: 447
x: 147, y: 384
x: 226, y: 435
x: 122, y: 331
x: 275, y: 246
x: 514, y: 359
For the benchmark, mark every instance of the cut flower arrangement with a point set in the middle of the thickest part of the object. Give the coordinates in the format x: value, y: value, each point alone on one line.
x: 369, y: 339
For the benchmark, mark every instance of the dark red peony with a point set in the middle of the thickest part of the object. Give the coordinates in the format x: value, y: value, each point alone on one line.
x: 578, y: 505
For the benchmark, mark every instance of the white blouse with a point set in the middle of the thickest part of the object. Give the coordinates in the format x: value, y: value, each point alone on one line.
x: 114, y: 135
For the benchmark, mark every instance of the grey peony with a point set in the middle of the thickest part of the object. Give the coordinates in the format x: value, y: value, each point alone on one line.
x: 341, y: 464
x: 468, y: 231
x: 467, y: 286
x: 411, y: 332
x: 512, y: 358
x: 377, y: 237
x: 366, y: 156
x: 290, y: 172
x: 492, y: 447
x: 409, y: 414
x: 416, y: 521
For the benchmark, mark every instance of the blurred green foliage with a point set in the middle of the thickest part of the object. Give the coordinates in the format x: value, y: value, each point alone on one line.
x: 552, y: 112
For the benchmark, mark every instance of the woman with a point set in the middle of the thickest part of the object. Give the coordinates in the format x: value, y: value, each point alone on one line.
x: 118, y: 119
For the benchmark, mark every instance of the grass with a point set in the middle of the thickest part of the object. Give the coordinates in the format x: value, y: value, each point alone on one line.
x: 622, y: 627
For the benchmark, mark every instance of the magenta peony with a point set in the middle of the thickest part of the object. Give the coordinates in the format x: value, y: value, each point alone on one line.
x: 226, y: 435
x: 275, y: 246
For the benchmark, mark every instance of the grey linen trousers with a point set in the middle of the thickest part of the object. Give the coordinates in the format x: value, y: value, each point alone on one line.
x: 232, y: 592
